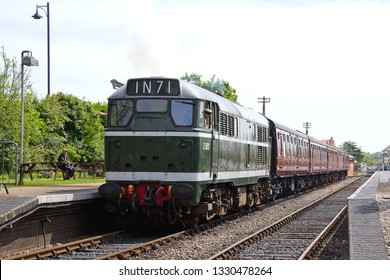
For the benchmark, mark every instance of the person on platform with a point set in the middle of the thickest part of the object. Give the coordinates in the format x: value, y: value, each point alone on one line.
x: 64, y: 164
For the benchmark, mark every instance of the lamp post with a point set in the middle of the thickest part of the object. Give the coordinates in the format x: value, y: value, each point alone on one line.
x: 38, y: 16
x: 28, y: 60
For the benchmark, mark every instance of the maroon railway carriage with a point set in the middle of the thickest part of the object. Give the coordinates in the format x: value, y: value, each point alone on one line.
x: 327, y: 163
x: 299, y: 162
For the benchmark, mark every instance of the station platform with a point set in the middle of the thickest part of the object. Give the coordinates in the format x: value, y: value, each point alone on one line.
x: 22, y: 201
x: 367, y: 240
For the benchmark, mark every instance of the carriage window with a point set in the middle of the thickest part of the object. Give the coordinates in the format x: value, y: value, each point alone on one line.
x: 182, y: 112
x: 152, y: 105
x: 121, y: 111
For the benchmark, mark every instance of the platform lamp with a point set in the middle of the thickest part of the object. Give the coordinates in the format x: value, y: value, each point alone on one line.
x: 27, y: 60
x: 38, y: 16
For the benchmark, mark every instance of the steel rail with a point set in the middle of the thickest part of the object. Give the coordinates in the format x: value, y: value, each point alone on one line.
x: 260, y: 234
x: 315, y: 248
x: 64, y: 248
x: 154, y: 244
x: 144, y: 247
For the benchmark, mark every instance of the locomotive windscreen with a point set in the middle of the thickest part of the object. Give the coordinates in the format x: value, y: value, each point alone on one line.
x: 153, y: 87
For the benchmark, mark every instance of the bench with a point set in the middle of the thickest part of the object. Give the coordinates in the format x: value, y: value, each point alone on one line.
x: 41, y: 167
x: 98, y: 169
x: 93, y: 168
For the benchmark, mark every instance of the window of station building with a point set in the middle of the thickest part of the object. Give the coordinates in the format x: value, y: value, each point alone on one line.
x: 120, y: 112
x: 182, y: 112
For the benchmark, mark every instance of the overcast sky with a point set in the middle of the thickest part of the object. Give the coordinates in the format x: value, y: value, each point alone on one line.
x: 323, y: 62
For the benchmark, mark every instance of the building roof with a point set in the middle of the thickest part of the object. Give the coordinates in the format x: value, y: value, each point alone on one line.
x: 329, y: 142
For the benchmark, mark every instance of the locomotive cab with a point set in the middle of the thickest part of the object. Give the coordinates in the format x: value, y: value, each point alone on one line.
x: 177, y: 152
x: 159, y: 144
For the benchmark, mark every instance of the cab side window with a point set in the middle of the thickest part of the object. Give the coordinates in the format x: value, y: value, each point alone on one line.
x: 120, y: 112
x: 207, y: 115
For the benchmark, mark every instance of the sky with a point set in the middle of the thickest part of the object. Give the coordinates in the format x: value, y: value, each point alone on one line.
x: 322, y: 62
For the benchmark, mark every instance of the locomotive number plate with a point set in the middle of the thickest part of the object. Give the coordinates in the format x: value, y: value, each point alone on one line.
x: 153, y: 87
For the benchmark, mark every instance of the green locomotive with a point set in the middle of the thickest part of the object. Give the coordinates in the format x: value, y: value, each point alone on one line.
x: 177, y: 152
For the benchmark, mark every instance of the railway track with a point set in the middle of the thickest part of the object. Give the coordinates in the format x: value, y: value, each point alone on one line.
x: 66, y: 248
x: 300, y: 235
x: 116, y: 245
x: 152, y: 249
x: 122, y: 245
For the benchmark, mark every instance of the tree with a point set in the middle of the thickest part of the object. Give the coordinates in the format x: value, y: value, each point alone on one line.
x: 230, y: 93
x: 217, y: 86
x: 355, y: 151
x: 10, y: 82
x: 58, y: 121
x: 367, y: 158
x: 83, y: 132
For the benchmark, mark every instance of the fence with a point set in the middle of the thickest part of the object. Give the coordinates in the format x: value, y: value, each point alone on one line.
x: 8, y: 164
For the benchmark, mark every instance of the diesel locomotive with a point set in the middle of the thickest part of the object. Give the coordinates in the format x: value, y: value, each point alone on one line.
x: 175, y: 152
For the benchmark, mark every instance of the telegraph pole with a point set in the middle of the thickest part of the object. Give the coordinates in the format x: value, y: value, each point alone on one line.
x: 263, y: 100
x: 307, y: 125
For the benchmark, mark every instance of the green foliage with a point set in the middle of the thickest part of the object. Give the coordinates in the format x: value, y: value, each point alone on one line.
x: 355, y: 151
x: 58, y: 121
x: 367, y: 159
x: 217, y: 86
x: 376, y: 156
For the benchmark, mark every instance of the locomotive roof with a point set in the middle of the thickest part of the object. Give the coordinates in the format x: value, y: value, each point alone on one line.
x: 192, y: 91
